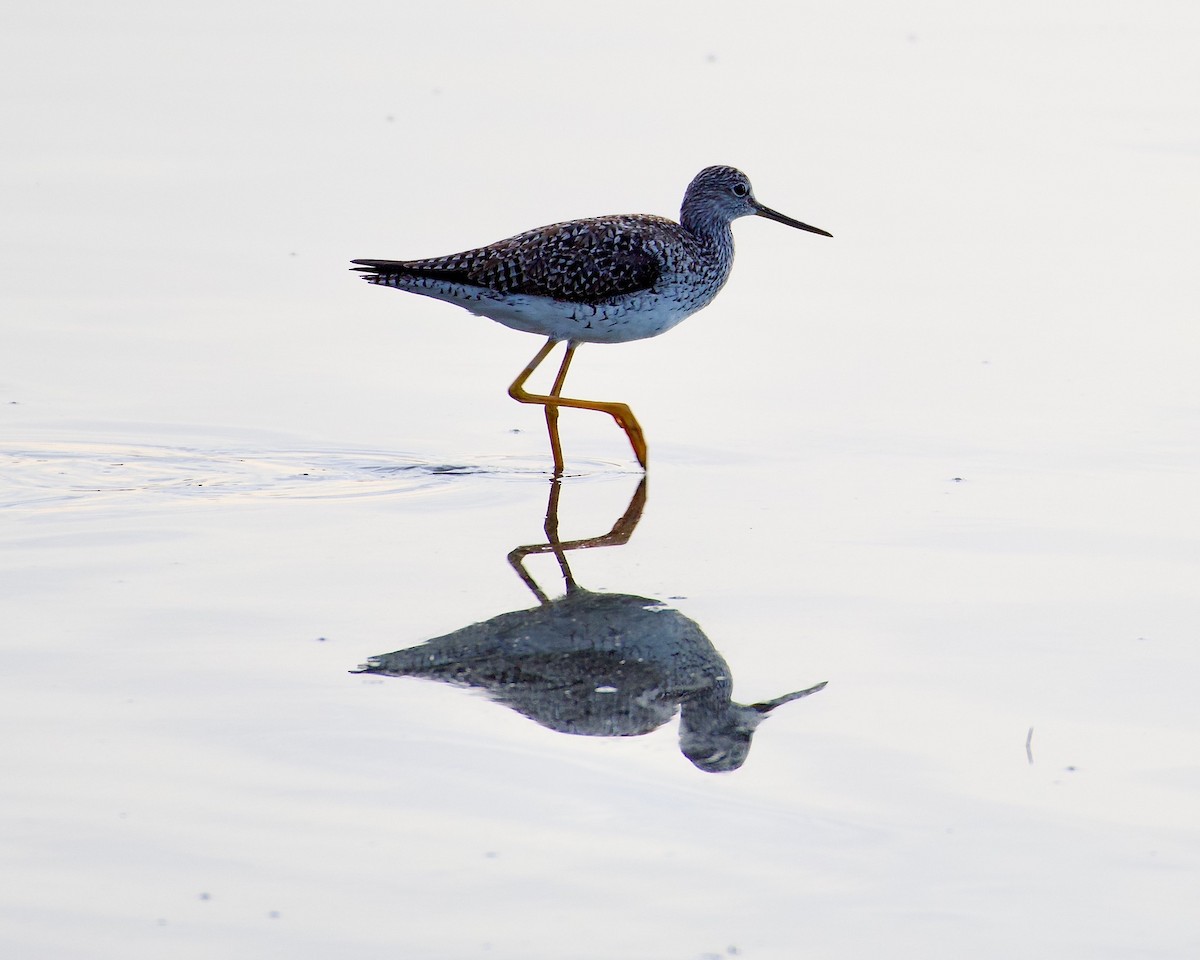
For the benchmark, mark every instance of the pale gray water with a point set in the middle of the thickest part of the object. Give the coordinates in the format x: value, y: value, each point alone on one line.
x: 946, y: 462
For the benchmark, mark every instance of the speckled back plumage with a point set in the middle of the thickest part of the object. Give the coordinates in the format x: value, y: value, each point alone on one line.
x: 583, y: 261
x: 603, y: 279
x: 583, y: 279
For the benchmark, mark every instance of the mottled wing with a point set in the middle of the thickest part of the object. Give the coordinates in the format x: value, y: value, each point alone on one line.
x: 583, y: 261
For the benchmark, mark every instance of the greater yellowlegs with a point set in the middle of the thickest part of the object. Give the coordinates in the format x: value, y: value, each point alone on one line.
x: 600, y: 280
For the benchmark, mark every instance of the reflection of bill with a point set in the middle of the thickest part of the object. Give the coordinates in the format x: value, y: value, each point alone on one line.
x: 597, y: 664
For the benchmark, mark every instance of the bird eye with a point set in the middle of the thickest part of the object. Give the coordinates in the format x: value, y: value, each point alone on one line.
x: 740, y: 189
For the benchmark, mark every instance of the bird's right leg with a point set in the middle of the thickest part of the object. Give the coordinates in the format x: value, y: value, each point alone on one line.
x: 552, y: 410
x: 518, y: 392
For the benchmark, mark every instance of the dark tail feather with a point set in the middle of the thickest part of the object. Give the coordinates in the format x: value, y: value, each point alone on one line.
x: 380, y: 271
x: 380, y: 266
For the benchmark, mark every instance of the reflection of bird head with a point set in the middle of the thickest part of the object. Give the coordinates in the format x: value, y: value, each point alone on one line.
x: 716, y: 737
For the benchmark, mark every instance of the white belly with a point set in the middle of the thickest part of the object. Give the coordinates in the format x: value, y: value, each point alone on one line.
x: 634, y: 317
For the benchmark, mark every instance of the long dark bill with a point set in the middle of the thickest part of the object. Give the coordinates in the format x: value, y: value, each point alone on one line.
x: 778, y: 217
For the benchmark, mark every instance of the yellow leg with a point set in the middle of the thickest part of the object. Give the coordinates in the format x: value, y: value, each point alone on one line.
x: 618, y: 411
x: 552, y: 410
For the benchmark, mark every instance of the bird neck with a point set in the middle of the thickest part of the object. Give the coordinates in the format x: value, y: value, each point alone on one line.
x: 713, y: 231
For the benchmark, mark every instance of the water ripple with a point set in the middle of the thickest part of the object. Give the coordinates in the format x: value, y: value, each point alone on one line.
x: 84, y: 474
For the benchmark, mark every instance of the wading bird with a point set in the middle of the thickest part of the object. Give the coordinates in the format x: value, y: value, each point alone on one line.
x: 599, y: 280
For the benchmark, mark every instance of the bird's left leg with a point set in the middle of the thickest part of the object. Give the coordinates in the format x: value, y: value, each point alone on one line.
x: 618, y: 411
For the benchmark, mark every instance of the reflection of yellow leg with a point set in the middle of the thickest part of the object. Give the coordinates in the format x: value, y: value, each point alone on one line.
x: 618, y: 411
x: 620, y: 533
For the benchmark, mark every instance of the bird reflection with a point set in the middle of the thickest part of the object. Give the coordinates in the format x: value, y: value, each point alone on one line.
x: 596, y: 664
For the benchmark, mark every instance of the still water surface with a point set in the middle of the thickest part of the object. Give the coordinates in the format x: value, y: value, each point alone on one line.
x: 945, y: 464
x: 199, y: 769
